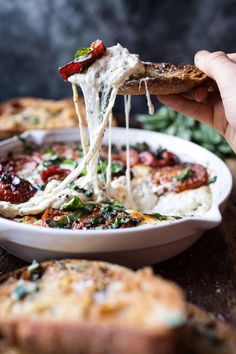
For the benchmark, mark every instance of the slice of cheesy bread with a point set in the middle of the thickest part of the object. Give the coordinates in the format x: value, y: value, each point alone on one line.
x: 76, y: 306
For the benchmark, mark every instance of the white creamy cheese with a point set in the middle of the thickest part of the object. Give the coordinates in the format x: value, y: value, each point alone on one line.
x: 187, y: 203
x: 100, y: 85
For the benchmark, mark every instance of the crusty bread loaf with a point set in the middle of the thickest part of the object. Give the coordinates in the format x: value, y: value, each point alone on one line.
x: 73, y: 306
x: 164, y: 79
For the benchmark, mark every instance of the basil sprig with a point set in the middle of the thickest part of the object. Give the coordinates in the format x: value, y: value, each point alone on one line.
x: 82, y: 55
x: 165, y: 120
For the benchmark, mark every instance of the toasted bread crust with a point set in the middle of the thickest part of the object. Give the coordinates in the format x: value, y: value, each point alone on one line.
x: 36, y: 332
x: 164, y: 79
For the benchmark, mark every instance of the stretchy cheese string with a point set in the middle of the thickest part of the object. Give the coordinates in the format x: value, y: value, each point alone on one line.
x: 82, y: 125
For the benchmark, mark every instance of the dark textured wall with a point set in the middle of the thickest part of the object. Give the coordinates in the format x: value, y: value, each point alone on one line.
x: 36, y: 36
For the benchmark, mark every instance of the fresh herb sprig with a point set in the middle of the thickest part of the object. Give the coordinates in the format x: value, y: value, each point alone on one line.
x: 165, y: 120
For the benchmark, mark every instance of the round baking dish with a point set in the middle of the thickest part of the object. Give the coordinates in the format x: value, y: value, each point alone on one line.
x: 135, y: 246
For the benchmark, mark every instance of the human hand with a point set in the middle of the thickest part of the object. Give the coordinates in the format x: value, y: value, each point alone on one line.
x: 216, y: 108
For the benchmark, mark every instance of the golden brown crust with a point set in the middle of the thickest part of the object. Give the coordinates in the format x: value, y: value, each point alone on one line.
x: 165, y: 79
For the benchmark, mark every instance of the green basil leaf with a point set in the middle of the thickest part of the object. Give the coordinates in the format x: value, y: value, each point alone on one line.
x: 82, y: 51
x: 74, y: 204
x: 212, y: 179
x: 66, y: 221
x: 184, y: 174
x: 82, y: 55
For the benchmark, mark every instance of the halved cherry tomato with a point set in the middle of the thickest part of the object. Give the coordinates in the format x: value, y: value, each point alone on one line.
x: 54, y: 172
x: 14, y: 189
x: 82, y: 61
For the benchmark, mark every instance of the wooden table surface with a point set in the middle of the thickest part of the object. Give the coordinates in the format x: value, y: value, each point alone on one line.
x: 207, y: 270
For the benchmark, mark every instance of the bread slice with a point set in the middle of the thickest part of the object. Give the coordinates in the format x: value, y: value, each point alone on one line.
x: 207, y: 335
x: 76, y: 306
x: 29, y: 113
x: 25, y: 113
x: 164, y: 79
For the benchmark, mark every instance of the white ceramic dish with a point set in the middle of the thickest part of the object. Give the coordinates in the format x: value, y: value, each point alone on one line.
x: 134, y: 246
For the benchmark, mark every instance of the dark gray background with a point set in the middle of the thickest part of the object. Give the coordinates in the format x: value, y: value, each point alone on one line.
x: 37, y: 36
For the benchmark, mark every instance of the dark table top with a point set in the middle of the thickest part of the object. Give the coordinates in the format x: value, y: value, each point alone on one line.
x: 207, y: 270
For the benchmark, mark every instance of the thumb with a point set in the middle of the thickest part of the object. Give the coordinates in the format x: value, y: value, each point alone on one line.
x: 218, y: 66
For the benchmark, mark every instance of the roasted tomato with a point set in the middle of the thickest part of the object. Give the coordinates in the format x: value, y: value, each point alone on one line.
x: 52, y: 214
x: 14, y: 189
x: 83, y: 59
x: 54, y: 172
x: 181, y: 177
x: 166, y: 159
x: 20, y: 165
x: 133, y: 155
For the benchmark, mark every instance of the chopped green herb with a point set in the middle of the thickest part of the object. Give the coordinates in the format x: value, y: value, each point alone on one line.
x: 31, y: 119
x: 61, y: 265
x: 112, y: 209
x: 54, y: 160
x: 73, y: 204
x: 81, y: 268
x: 82, y: 54
x: 70, y: 162
x: 34, y: 267
x: 49, y: 151
x: 19, y: 292
x: 66, y: 221
x: 184, y: 174
x: 140, y: 146
x: 87, y: 192
x: 120, y: 221
x: 212, y: 179
x: 162, y: 217
x: 57, y: 160
x: 116, y: 167
x: 23, y: 289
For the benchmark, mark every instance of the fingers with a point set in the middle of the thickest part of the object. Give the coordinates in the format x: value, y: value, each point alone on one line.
x: 218, y: 66
x: 199, y: 94
x: 197, y: 110
x: 232, y: 56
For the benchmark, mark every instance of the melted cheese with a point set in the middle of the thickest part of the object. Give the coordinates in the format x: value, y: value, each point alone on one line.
x: 149, y: 101
x: 130, y: 202
x: 100, y: 86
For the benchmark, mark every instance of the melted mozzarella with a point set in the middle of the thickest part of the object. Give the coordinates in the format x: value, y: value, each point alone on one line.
x: 100, y: 86
x: 149, y: 101
x: 188, y: 203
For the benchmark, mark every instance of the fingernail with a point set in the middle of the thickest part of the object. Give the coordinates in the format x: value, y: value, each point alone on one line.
x: 200, y: 56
